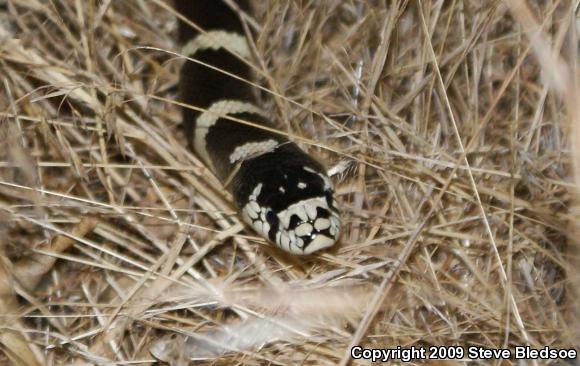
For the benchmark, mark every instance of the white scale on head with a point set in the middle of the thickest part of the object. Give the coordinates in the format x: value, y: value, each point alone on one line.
x: 255, y: 215
x: 327, y: 182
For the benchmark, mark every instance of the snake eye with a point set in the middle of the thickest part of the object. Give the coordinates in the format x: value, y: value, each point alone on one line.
x: 328, y: 196
x: 271, y: 217
x: 330, y: 200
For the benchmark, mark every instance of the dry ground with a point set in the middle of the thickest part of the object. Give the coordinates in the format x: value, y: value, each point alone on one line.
x: 454, y: 125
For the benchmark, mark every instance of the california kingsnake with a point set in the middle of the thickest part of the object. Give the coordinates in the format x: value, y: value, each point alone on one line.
x: 280, y: 190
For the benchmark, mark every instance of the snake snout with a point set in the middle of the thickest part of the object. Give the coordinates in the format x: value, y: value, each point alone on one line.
x: 308, y: 226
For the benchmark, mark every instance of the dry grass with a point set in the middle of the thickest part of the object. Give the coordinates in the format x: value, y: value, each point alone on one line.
x: 457, y: 126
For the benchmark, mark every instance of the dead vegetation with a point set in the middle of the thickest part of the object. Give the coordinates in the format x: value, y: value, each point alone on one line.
x: 456, y: 128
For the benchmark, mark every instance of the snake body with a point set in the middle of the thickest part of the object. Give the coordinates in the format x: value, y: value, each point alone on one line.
x: 280, y: 190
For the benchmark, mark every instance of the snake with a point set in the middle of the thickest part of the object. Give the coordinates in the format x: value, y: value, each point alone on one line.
x: 281, y: 191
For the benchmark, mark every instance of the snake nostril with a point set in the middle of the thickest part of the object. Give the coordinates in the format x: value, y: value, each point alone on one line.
x: 272, y: 218
x: 322, y: 213
x: 294, y: 221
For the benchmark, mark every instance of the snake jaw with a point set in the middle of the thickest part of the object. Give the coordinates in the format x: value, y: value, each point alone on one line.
x: 303, y: 228
x: 310, y: 225
x: 318, y: 243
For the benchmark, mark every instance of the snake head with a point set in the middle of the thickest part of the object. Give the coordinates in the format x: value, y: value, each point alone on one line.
x: 289, y: 200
